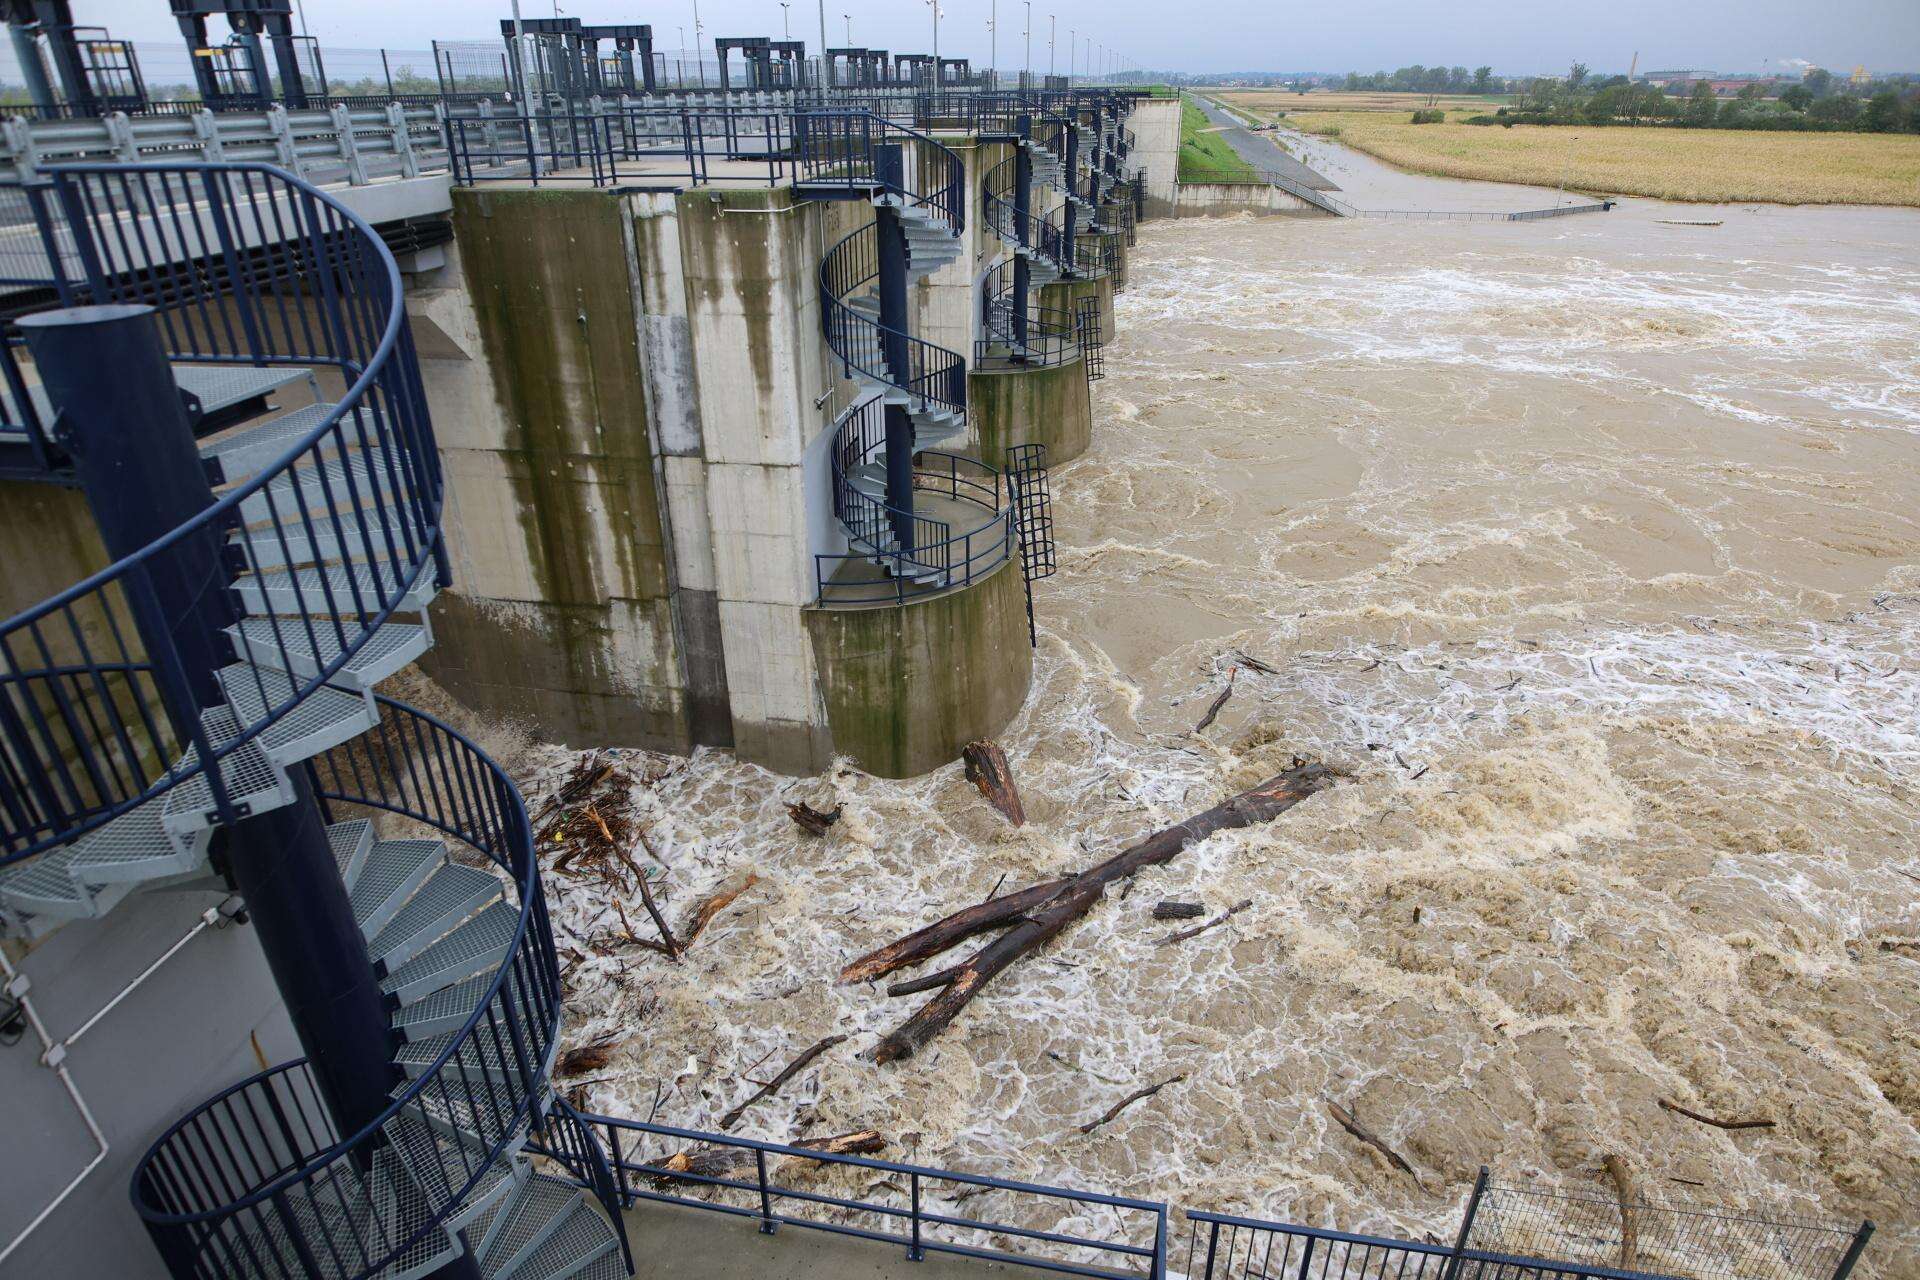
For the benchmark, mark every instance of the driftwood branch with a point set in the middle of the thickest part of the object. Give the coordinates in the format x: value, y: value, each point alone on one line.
x: 1352, y: 1125
x: 1138, y: 1095
x: 719, y: 1162
x: 792, y: 1069
x: 1033, y: 916
x: 811, y: 820
x: 1168, y: 909
x: 712, y: 905
x: 667, y: 940
x: 1677, y: 1109
x: 1219, y: 702
x: 987, y: 769
x: 1198, y: 929
x: 1623, y: 1190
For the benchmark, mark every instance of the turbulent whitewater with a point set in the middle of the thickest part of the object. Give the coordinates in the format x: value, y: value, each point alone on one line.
x: 1590, y: 548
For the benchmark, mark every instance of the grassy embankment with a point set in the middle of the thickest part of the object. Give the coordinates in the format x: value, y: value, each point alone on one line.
x: 1664, y: 162
x: 1204, y: 156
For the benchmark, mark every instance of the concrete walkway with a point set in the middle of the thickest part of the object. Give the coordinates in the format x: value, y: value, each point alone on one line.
x: 1262, y: 152
x: 675, y: 1243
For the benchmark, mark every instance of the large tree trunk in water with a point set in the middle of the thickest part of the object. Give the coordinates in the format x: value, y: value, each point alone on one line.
x: 1036, y: 914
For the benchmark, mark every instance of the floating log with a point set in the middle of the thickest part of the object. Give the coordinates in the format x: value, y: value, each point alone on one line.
x: 987, y: 769
x: 1035, y: 915
x: 588, y: 1057
x: 772, y: 1086
x: 1137, y: 1095
x: 1167, y: 909
x: 1677, y: 1109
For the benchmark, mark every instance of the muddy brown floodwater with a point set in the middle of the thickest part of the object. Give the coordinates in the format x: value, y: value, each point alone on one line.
x: 1592, y: 548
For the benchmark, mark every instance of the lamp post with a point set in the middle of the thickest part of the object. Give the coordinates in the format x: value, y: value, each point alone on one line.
x: 849, y: 21
x: 1028, y: 34
x: 1050, y: 21
x: 699, y: 37
x: 993, y: 36
x: 825, y: 65
x: 1073, y: 55
x: 935, y: 6
x: 786, y: 32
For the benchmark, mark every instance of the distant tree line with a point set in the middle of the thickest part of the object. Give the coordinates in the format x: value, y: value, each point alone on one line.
x: 1820, y: 100
x: 1419, y: 79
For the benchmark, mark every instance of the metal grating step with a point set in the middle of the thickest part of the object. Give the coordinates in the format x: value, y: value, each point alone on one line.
x: 450, y: 895
x: 367, y: 479
x: 287, y: 645
x: 136, y: 847
x: 320, y: 721
x: 582, y: 1236
x: 46, y: 889
x: 340, y: 589
x: 352, y: 841
x: 478, y: 944
x: 535, y: 1213
x: 489, y: 1052
x: 292, y: 544
x: 445, y: 1010
x: 253, y: 782
x: 472, y: 1111
x: 222, y: 386
x: 394, y: 869
x: 404, y: 1213
x: 245, y: 452
x: 442, y: 1165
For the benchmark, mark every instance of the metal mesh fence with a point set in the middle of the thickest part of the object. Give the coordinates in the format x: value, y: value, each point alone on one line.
x: 1660, y: 1238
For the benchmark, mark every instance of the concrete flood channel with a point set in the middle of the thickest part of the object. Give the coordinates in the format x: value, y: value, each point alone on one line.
x: 1589, y: 547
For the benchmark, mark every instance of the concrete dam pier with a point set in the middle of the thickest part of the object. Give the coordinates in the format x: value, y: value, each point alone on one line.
x: 647, y: 448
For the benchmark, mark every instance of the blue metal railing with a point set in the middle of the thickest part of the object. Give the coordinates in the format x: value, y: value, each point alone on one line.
x: 766, y: 1193
x: 245, y: 264
x: 248, y: 1184
x: 1220, y: 1245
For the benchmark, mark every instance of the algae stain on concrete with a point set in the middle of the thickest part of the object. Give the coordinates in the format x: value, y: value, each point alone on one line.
x: 551, y: 286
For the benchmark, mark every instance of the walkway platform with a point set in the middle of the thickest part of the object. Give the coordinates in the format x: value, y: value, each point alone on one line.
x: 675, y: 1243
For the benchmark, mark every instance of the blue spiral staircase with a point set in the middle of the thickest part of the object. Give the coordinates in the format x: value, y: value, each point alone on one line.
x: 131, y: 761
x: 917, y: 185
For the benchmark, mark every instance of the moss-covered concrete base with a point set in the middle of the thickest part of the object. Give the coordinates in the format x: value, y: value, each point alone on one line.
x: 1020, y: 405
x: 1065, y: 295
x: 908, y: 686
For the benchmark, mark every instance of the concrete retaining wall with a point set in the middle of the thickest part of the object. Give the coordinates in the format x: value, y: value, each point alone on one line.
x: 908, y: 686
x: 1017, y: 406
x: 1216, y: 199
x: 1156, y: 151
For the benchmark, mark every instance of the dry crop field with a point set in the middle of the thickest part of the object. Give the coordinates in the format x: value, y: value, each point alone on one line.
x: 1715, y: 165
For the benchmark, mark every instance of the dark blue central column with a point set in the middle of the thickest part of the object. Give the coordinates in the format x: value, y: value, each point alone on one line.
x: 135, y: 457
x: 890, y: 168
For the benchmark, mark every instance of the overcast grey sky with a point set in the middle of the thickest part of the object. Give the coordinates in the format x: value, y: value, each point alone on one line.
x: 1201, y: 35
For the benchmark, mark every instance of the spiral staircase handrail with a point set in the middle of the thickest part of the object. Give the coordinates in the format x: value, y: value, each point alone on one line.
x: 825, y: 142
x: 407, y: 515
x: 1042, y: 234
x: 934, y: 374
x: 526, y: 878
